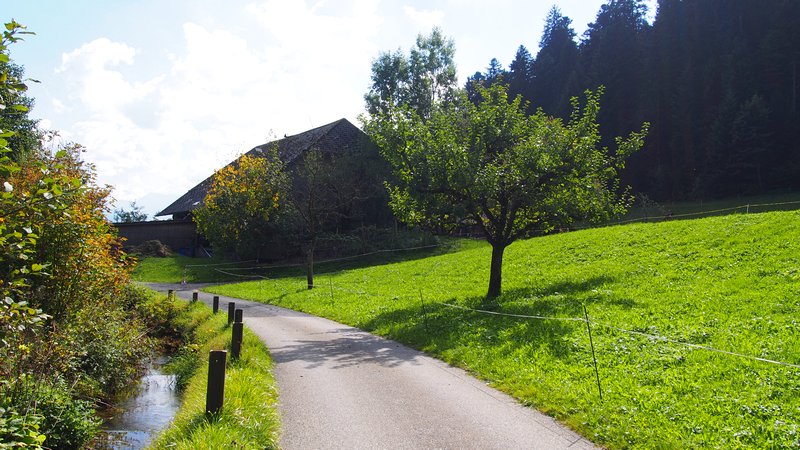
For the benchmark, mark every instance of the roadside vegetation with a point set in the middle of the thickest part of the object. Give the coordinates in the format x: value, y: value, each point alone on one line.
x: 730, y: 283
x: 73, y: 334
x: 249, y: 417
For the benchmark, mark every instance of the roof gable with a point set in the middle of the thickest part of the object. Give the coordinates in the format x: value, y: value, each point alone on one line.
x: 334, y: 137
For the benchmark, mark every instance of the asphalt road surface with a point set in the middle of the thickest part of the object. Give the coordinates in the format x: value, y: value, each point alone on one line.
x: 343, y: 388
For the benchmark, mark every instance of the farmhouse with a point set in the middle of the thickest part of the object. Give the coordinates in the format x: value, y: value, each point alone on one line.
x: 339, y: 137
x: 336, y: 137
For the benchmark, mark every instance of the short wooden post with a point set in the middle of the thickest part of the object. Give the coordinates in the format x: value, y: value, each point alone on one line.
x: 216, y: 381
x: 237, y: 316
x: 194, y: 296
x: 215, y: 306
x: 171, y: 293
x: 231, y: 309
x: 236, y: 339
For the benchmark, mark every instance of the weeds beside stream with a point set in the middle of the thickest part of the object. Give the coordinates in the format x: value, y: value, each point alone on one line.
x: 249, y: 417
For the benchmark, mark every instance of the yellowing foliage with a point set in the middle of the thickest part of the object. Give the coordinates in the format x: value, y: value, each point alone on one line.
x: 242, y: 201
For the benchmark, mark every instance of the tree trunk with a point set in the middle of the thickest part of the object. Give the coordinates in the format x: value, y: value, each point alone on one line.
x: 310, y: 267
x: 496, y: 271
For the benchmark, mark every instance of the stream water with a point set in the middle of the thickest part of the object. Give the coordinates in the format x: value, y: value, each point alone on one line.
x: 143, y: 415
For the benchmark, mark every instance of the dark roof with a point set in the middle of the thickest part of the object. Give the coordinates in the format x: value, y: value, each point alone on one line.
x: 333, y: 137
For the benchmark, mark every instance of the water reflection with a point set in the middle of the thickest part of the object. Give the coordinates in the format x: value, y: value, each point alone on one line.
x: 142, y: 416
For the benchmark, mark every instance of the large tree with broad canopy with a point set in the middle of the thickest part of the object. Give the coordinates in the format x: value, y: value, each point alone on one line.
x: 493, y: 166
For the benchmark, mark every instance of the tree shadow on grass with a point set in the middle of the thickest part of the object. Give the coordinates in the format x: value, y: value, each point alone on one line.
x: 437, y: 327
x: 440, y: 328
x: 562, y: 299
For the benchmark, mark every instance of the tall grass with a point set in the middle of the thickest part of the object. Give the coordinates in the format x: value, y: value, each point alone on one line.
x: 249, y: 416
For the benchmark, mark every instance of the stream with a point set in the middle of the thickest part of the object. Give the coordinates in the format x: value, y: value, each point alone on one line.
x: 140, y: 418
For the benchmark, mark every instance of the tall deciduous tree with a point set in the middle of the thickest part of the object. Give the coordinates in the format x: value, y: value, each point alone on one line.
x: 421, y: 79
x: 491, y: 165
x: 327, y: 189
x: 14, y: 118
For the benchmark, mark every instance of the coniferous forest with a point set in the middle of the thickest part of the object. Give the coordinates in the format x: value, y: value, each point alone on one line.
x: 717, y: 80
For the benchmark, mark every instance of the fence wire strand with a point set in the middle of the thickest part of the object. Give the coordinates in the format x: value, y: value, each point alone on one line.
x: 631, y: 332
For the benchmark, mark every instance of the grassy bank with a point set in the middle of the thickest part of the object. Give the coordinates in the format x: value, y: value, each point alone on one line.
x: 730, y: 283
x: 249, y: 416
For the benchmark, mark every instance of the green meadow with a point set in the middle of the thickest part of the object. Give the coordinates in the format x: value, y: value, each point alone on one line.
x: 729, y: 284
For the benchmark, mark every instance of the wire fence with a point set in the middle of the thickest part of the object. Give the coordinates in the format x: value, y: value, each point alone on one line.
x: 350, y: 288
x: 631, y: 332
x: 746, y: 208
x: 339, y: 286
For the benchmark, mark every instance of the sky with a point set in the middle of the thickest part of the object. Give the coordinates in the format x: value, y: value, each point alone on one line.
x: 163, y: 92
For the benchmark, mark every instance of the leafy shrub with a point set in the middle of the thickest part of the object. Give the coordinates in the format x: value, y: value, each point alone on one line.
x: 19, y: 430
x: 111, y: 349
x: 67, y: 422
x: 370, y: 239
x: 59, y: 255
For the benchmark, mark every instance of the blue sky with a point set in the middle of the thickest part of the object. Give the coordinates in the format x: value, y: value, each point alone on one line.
x: 163, y: 92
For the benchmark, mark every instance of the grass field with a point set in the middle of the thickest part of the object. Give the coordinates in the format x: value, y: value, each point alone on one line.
x: 731, y: 283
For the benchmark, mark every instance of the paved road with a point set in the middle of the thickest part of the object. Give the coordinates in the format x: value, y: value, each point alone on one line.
x: 342, y: 388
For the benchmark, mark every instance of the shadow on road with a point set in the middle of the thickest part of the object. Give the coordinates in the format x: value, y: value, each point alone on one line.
x: 345, y: 347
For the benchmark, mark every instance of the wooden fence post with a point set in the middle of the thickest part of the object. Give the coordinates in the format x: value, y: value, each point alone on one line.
x: 236, y: 339
x: 215, y: 391
x: 237, y: 316
x: 231, y: 308
x: 215, y: 306
x: 194, y: 296
x: 171, y: 293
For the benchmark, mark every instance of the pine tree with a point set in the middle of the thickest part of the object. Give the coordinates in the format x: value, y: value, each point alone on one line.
x: 555, y: 69
x: 615, y: 53
x: 520, y: 74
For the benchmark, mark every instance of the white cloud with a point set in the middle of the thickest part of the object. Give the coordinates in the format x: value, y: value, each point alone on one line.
x: 101, y: 88
x: 221, y: 94
x: 424, y: 18
x: 58, y: 105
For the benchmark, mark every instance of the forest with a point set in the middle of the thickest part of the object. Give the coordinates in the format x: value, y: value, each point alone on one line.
x: 716, y: 79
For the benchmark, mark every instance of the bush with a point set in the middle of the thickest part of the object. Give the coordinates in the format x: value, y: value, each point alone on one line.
x: 184, y: 365
x: 111, y: 350
x: 67, y: 422
x: 58, y: 255
x: 19, y: 430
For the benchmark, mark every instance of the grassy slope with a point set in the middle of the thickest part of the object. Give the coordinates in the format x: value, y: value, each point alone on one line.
x: 249, y: 418
x: 175, y: 268
x: 731, y: 282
